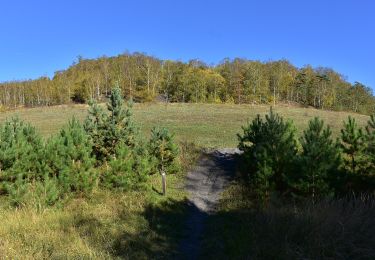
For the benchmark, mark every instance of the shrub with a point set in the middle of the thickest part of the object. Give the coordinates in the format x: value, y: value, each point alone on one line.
x: 95, y: 126
x: 321, y: 168
x: 69, y: 159
x: 353, y: 147
x: 370, y: 142
x: 164, y: 149
x: 318, y: 162
x: 110, y: 128
x: 269, y: 148
x: 20, y: 151
x: 117, y: 143
x: 37, y: 194
x: 126, y: 169
x: 357, y: 157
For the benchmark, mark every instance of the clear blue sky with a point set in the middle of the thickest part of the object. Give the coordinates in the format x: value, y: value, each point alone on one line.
x: 40, y: 37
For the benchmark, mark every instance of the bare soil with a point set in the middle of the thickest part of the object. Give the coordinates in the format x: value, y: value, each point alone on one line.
x: 213, y: 172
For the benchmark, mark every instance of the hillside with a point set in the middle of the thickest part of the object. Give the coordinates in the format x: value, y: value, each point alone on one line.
x: 145, y: 78
x: 207, y: 125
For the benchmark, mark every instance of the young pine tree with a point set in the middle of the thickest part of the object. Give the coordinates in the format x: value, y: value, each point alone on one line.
x: 126, y: 169
x: 353, y: 146
x: 121, y: 127
x: 370, y: 143
x: 269, y: 148
x: 318, y: 162
x: 95, y: 126
x: 368, y: 178
x: 20, y: 152
x: 164, y: 149
x: 37, y: 194
x: 21, y: 159
x: 108, y: 129
x: 70, y: 160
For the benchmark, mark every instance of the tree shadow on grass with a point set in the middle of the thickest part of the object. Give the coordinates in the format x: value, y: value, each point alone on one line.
x: 331, y: 229
x: 166, y: 228
x: 154, y: 233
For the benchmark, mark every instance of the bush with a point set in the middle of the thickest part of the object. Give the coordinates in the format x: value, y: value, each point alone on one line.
x: 321, y: 168
x: 110, y: 128
x: 269, y: 148
x: 353, y: 146
x: 127, y: 169
x: 358, y: 158
x: 117, y: 144
x: 20, y: 151
x: 164, y: 149
x: 69, y: 159
x: 370, y: 142
x: 319, y: 161
x: 37, y: 194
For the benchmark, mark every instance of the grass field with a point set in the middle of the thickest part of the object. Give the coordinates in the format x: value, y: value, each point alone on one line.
x: 207, y: 125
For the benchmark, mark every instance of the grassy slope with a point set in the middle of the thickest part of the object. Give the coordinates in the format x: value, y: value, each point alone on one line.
x: 207, y: 125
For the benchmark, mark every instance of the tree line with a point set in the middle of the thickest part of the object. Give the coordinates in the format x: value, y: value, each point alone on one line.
x: 143, y: 78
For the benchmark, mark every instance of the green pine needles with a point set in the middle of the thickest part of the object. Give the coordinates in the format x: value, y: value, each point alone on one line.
x: 315, y: 167
x: 107, y: 151
x: 118, y: 145
x: 165, y: 151
x: 269, y: 147
x: 110, y: 128
x: 318, y: 162
x: 20, y: 151
x: 69, y: 158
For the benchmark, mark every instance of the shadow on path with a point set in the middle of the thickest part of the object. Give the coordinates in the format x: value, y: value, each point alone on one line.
x: 171, y: 229
x: 214, y: 171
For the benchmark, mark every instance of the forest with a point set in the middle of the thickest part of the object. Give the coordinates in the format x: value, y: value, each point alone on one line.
x: 145, y: 78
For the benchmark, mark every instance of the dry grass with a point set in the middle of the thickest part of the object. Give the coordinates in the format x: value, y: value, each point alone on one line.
x: 107, y: 225
x: 207, y: 125
x: 330, y: 229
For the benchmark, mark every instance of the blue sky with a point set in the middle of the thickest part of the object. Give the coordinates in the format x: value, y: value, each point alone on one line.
x: 40, y: 37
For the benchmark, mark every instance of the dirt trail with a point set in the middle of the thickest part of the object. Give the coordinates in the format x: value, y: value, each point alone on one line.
x: 204, y: 184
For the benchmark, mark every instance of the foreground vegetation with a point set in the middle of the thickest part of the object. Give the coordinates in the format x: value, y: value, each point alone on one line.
x: 144, y: 78
x: 311, y: 198
x: 330, y: 229
x: 108, y: 224
x: 315, y: 165
x: 132, y: 224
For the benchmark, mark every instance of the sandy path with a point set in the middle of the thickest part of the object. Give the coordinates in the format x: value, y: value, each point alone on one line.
x: 204, y: 184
